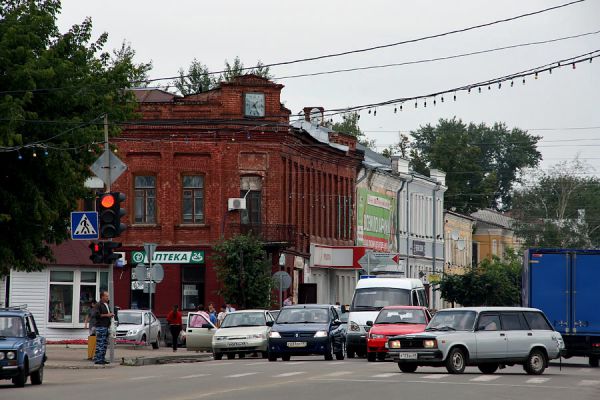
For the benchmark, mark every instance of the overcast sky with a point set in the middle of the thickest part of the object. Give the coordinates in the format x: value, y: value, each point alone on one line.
x: 172, y: 33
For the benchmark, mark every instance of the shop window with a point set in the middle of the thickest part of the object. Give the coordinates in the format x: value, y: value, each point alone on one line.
x: 61, y: 296
x: 139, y: 299
x: 193, y: 199
x: 251, y: 189
x: 192, y: 287
x: 145, y: 199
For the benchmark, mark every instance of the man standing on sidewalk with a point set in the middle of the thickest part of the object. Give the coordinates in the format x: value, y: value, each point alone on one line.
x: 103, y: 321
x: 175, y: 322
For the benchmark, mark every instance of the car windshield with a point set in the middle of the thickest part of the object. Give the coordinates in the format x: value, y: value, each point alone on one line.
x: 130, y: 317
x: 303, y: 316
x: 11, y: 327
x: 374, y: 299
x: 244, y: 319
x: 401, y: 316
x: 454, y: 320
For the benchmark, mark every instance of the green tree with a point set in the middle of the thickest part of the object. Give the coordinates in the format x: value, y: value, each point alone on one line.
x: 45, y: 135
x: 493, y: 282
x: 401, y: 148
x: 559, y: 208
x: 349, y: 125
x: 199, y: 79
x: 243, y: 272
x: 482, y: 162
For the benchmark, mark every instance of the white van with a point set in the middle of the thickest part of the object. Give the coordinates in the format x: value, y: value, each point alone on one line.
x: 370, y: 296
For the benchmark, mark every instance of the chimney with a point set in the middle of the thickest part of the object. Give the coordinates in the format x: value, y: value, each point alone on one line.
x: 438, y: 175
x: 314, y: 115
x: 400, y: 164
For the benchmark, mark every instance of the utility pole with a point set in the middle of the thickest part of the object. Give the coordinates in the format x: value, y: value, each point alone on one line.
x: 111, y: 283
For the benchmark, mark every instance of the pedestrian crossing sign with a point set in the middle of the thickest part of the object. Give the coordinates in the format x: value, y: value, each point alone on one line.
x: 84, y: 225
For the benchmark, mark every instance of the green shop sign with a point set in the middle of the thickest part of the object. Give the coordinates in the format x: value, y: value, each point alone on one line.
x: 169, y: 257
x: 375, y: 212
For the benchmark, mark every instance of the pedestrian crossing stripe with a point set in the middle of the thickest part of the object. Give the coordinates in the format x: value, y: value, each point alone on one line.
x: 84, y: 225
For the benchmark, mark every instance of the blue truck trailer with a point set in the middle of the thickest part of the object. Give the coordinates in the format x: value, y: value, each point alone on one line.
x: 565, y: 285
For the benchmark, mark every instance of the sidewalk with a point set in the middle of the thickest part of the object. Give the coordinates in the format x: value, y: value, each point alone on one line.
x: 71, y: 356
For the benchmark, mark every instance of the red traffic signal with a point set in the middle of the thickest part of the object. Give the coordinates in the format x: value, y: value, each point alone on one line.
x: 104, y: 252
x: 107, y: 200
x: 108, y: 206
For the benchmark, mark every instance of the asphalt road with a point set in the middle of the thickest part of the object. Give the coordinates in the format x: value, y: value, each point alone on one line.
x: 307, y: 378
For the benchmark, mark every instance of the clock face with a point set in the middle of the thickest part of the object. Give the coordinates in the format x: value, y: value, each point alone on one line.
x: 254, y: 104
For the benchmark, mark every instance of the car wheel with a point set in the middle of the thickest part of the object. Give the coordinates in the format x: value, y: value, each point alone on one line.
x: 536, y: 363
x: 488, y: 368
x: 381, y: 356
x: 37, y: 377
x: 218, y: 356
x: 272, y: 357
x: 143, y: 340
x: 456, y: 361
x: 329, y: 352
x: 408, y: 368
x: 286, y: 357
x: 21, y: 379
x: 231, y: 356
x: 371, y: 357
x: 593, y: 361
x: 242, y: 355
x: 156, y: 344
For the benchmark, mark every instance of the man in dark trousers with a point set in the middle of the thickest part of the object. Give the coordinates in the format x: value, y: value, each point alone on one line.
x: 175, y: 322
x: 103, y: 321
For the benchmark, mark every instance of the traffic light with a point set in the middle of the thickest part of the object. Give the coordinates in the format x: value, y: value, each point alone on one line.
x: 97, y: 256
x: 108, y: 206
x: 109, y: 255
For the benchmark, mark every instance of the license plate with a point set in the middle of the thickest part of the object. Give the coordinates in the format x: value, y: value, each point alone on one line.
x: 237, y: 344
x: 407, y: 356
x: 296, y: 344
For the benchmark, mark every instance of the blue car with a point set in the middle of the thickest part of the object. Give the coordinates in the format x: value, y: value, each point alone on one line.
x: 22, y: 349
x: 304, y: 330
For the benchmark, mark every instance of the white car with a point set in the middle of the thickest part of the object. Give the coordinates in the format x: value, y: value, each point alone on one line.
x: 199, y: 332
x: 242, y: 332
x: 139, y: 326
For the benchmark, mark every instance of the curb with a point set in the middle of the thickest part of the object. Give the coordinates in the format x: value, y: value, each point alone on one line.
x: 71, y: 366
x: 141, y: 361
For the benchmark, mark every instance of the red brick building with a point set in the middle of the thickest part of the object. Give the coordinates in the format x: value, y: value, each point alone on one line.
x: 188, y: 156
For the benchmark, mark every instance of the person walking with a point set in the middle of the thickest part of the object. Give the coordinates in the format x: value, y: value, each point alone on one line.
x: 90, y: 319
x: 103, y: 321
x: 212, y: 313
x: 175, y: 321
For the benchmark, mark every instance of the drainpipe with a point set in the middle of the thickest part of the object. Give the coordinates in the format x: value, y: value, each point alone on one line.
x: 398, y: 216
x: 412, y: 178
x: 434, y: 245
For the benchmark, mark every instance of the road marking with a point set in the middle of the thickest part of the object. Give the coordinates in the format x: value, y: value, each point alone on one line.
x: 141, y: 378
x: 337, y: 363
x: 296, y: 363
x: 537, y: 380
x: 485, y: 378
x: 193, y: 376
x: 434, y: 376
x: 339, y: 373
x: 587, y: 382
x: 240, y: 375
x: 288, y: 374
x: 386, y: 375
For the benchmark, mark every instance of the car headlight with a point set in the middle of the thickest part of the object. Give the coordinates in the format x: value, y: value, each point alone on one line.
x: 354, y: 326
x: 274, y: 335
x: 430, y: 344
x: 11, y: 355
x: 376, y: 336
x: 2, y: 355
x: 132, y: 332
x: 394, y: 344
x: 257, y: 336
x: 321, y: 334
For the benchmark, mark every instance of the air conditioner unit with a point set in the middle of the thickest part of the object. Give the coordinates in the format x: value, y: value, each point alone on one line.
x: 237, y: 204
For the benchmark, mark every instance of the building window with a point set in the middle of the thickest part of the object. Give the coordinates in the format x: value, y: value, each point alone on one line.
x: 145, y: 199
x: 71, y: 295
x: 193, y: 199
x: 192, y: 287
x: 494, y: 247
x: 251, y: 189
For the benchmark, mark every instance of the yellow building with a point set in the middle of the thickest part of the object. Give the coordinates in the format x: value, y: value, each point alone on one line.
x: 458, y: 238
x: 493, y: 235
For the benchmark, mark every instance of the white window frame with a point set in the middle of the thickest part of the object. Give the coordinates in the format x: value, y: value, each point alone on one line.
x: 76, y: 284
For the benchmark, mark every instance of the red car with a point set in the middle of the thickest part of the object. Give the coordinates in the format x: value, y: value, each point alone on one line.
x: 393, y: 321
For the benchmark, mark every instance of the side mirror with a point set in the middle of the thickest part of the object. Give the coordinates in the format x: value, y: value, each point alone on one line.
x: 270, y: 323
x: 207, y: 326
x: 31, y: 335
x: 369, y: 323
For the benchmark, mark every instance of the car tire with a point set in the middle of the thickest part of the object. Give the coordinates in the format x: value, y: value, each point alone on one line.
x: 371, y: 357
x: 156, y: 345
x: 231, y: 356
x: 594, y: 361
x: 329, y: 352
x: 218, y: 356
x: 408, y: 368
x: 37, y: 377
x: 456, y: 361
x: 286, y: 357
x: 272, y: 357
x: 488, y: 369
x: 21, y: 379
x: 536, y: 362
x: 242, y: 355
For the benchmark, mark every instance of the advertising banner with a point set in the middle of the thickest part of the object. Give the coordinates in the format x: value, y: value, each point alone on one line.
x: 375, y: 220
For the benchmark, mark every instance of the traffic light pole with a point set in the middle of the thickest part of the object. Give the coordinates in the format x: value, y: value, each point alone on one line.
x: 111, y: 283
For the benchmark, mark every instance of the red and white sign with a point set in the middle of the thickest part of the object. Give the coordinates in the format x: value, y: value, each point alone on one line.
x: 344, y: 257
